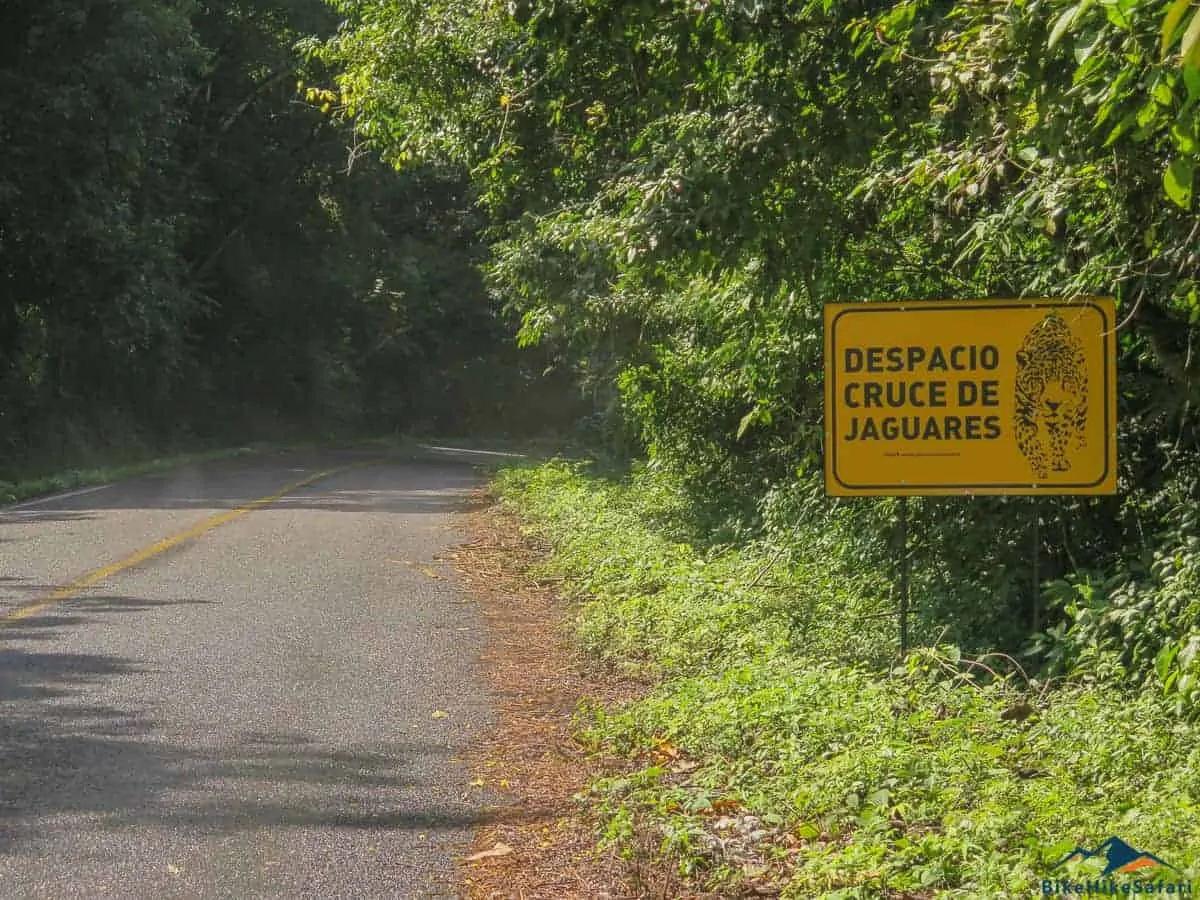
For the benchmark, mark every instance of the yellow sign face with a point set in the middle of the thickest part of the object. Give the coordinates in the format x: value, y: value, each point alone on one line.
x: 971, y: 397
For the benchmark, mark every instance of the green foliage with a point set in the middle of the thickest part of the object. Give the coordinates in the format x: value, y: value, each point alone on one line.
x: 1142, y: 627
x: 187, y: 248
x: 760, y: 759
x: 90, y: 198
x: 676, y: 190
x: 655, y: 600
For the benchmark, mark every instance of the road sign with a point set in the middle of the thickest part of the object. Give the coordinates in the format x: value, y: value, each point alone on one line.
x: 971, y: 397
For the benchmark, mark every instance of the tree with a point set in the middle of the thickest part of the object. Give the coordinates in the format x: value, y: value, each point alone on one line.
x: 677, y: 188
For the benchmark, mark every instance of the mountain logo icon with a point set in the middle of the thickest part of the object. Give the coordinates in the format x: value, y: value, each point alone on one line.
x: 1119, y: 857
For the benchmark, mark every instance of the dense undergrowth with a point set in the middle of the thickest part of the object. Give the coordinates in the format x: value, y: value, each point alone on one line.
x: 674, y: 191
x: 782, y: 744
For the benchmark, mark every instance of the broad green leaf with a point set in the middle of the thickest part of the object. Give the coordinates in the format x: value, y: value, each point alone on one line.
x: 1149, y: 114
x: 1191, y: 78
x: 1117, y: 16
x: 1062, y: 23
x: 1162, y: 92
x: 1190, y: 45
x: 808, y: 831
x: 747, y: 420
x: 1190, y: 652
x: 880, y: 797
x: 1113, y: 96
x: 1177, y: 181
x: 1086, y: 47
x: 1183, y: 132
x: 1092, y: 63
x: 1162, y: 663
x: 1171, y: 24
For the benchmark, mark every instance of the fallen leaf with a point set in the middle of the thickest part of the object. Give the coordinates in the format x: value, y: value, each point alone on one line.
x: 172, y: 869
x: 667, y: 749
x: 478, y: 782
x: 766, y: 889
x: 498, y: 850
x: 440, y: 714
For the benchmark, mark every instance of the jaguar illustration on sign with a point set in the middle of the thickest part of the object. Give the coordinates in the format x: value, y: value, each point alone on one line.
x: 970, y: 397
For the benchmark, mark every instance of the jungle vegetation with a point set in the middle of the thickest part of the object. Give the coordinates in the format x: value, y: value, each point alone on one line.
x: 675, y: 189
x: 192, y: 251
x: 267, y: 215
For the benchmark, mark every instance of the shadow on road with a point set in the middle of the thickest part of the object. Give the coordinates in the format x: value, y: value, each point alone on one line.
x: 78, y: 610
x: 76, y: 754
x: 401, y: 488
x: 61, y: 755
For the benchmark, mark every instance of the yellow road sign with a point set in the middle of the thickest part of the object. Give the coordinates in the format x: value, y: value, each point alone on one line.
x: 971, y: 397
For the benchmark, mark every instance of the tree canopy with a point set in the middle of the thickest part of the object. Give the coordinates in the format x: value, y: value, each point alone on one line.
x: 675, y: 190
x: 221, y: 219
x: 191, y: 248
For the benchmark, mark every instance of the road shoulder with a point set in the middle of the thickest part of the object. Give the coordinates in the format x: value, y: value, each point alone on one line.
x: 536, y: 843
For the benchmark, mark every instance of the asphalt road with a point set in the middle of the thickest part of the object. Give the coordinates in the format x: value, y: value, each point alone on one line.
x: 252, y: 710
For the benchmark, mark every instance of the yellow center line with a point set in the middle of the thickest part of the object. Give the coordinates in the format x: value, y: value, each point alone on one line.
x: 34, y: 607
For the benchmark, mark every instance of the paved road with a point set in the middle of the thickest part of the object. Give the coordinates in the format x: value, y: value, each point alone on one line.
x: 250, y: 711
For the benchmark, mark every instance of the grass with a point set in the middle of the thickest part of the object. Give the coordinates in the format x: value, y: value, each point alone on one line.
x: 782, y: 747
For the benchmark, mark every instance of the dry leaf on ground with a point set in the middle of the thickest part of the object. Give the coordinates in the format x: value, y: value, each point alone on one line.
x: 499, y: 850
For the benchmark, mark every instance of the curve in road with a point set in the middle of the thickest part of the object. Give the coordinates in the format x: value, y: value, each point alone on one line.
x: 244, y: 679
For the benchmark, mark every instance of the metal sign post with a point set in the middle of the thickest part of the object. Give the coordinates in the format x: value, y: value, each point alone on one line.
x: 902, y: 540
x: 1037, y: 555
x: 968, y: 397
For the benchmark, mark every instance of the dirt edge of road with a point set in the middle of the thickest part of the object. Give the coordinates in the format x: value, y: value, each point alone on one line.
x: 537, y: 846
